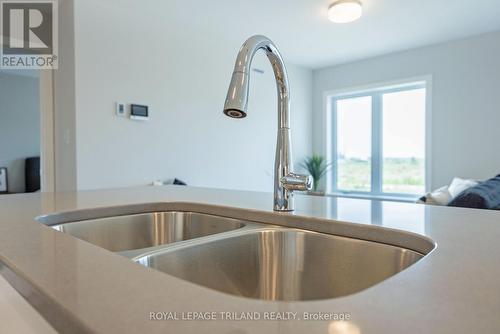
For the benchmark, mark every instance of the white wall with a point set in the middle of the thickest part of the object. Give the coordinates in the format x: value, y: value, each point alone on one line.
x: 127, y: 52
x: 64, y: 102
x: 19, y: 125
x: 465, y: 108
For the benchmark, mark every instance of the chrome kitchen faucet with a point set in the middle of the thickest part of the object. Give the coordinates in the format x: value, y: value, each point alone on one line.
x: 285, y: 181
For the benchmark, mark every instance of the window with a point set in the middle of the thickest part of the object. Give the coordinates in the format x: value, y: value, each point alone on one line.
x: 379, y: 141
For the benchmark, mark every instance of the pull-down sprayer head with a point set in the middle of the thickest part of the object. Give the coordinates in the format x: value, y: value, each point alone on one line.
x: 237, y: 95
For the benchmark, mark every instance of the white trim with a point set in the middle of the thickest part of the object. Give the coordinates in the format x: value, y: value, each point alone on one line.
x: 428, y: 133
x: 378, y: 86
x: 402, y: 84
x: 47, y: 149
x: 328, y: 140
x: 377, y: 149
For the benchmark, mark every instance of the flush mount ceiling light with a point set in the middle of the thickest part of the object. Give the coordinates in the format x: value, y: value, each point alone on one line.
x: 344, y: 11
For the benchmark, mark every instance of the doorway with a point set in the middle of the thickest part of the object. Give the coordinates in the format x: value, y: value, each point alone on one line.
x: 26, y: 131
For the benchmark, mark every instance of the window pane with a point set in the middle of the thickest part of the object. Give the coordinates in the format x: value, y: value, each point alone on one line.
x: 404, y: 142
x: 354, y: 133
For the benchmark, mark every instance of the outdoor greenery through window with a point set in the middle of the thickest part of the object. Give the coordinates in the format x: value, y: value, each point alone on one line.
x: 379, y: 141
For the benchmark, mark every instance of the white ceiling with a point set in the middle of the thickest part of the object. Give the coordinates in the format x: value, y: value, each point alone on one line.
x: 304, y: 35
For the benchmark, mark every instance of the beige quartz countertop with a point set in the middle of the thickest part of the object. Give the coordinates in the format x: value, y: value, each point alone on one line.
x: 80, y: 288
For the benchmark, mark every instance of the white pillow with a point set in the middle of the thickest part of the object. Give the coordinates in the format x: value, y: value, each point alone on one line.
x: 458, y: 185
x: 440, y: 196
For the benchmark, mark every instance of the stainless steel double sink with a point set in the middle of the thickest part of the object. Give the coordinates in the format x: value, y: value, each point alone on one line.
x: 246, y: 258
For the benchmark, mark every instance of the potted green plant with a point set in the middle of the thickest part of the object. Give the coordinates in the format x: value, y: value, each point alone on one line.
x: 317, y: 167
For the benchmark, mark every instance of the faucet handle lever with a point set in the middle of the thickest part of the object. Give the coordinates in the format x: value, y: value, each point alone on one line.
x: 297, y: 182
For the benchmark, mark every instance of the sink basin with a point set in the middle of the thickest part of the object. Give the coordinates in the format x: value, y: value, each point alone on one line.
x: 253, y: 258
x: 283, y: 264
x: 138, y: 231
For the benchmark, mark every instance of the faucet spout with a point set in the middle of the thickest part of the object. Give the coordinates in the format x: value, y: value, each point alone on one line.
x: 285, y: 181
